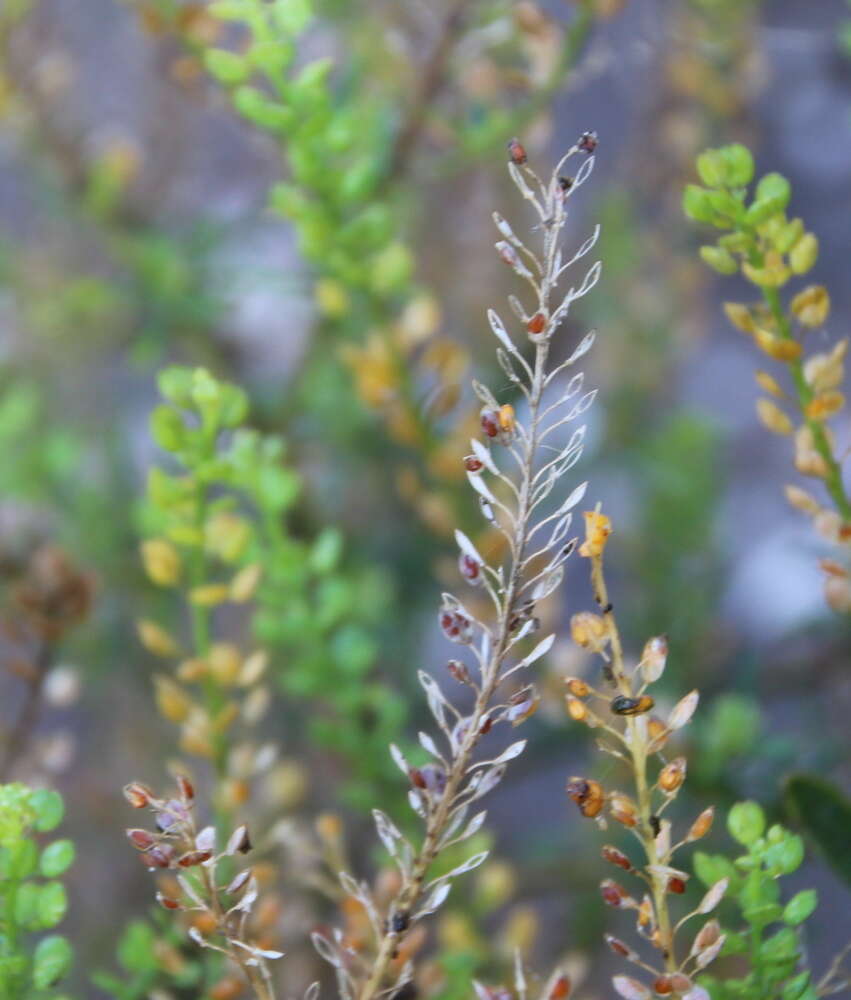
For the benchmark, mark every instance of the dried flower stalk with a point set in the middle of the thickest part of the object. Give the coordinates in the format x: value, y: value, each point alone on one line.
x: 636, y: 741
x: 177, y: 845
x: 537, y: 547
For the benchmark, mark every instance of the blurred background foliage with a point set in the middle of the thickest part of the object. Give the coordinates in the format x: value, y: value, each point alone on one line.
x: 295, y: 196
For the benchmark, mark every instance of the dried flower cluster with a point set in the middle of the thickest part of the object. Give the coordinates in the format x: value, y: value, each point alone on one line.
x: 622, y: 715
x: 219, y: 906
x: 517, y: 492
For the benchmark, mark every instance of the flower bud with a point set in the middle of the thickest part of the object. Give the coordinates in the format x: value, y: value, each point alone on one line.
x: 811, y: 306
x: 156, y: 640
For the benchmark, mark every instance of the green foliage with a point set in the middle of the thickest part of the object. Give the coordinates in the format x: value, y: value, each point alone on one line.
x: 141, y: 961
x: 824, y: 814
x: 31, y: 901
x: 226, y: 512
x: 768, y: 942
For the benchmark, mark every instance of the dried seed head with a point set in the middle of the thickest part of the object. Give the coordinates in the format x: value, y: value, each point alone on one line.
x: 138, y: 795
x: 588, y: 142
x: 623, y: 705
x: 517, y: 152
x: 702, y: 825
x: 616, y: 857
x: 673, y: 775
x: 577, y: 687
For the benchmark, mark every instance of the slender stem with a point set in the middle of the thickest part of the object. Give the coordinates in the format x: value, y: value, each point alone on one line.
x: 637, y: 745
x: 28, y: 716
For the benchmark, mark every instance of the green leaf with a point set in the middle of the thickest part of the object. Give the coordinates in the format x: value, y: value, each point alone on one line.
x: 696, y: 204
x: 786, y: 856
x: 49, y: 809
x: 292, y: 16
x: 711, y: 868
x: 175, y: 385
x: 795, y: 987
x: 824, y: 814
x: 51, y: 961
x: 57, y: 858
x: 711, y: 168
x: 780, y: 947
x: 719, y: 260
x: 136, y: 947
x: 800, y: 906
x: 774, y: 186
x: 52, y: 904
x: 227, y: 67
x: 167, y: 428
x: 738, y: 163
x: 746, y: 822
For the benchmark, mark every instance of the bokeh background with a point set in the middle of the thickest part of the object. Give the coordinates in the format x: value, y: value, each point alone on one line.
x: 137, y: 230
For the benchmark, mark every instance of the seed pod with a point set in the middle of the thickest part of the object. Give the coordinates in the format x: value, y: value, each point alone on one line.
x: 662, y: 986
x: 623, y: 809
x: 658, y: 734
x: 653, y: 658
x: 193, y: 858
x: 588, y: 142
x: 159, y: 856
x: 537, y: 324
x: 141, y: 839
x: 613, y: 894
x: 469, y: 568
x: 576, y: 709
x: 616, y: 857
x: 138, y: 795
x: 587, y: 794
x: 490, y: 422
x: 623, y: 705
x: 456, y: 626
x: 565, y: 183
x: 168, y: 904
x: 185, y: 788
x: 587, y: 629
x: 673, y: 775
x: 472, y: 464
x: 560, y: 989
x: 459, y: 671
x: 507, y: 420
x: 618, y: 947
x: 702, y: 825
x: 577, y: 687
x: 676, y: 885
x: 517, y: 152
x: 706, y: 936
x: 522, y: 705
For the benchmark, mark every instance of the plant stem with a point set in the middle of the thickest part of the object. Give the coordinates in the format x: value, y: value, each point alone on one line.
x: 637, y: 743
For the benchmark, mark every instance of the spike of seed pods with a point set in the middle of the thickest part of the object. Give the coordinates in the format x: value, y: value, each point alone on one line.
x: 624, y: 705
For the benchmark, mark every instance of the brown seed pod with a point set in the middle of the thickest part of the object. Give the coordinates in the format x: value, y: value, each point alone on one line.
x: 472, y: 464
x: 517, y: 152
x: 616, y: 857
x: 587, y: 794
x: 537, y: 323
x: 612, y: 893
x: 578, y: 688
x: 138, y: 795
x: 702, y: 825
x: 576, y: 709
x: 623, y: 809
x: 673, y: 775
